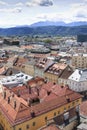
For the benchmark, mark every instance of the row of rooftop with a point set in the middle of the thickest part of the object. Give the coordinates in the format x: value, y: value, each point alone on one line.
x: 35, y: 87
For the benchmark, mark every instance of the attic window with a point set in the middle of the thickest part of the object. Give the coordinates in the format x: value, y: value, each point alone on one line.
x: 13, y: 79
x: 46, y: 118
x: 22, y: 75
x: 21, y: 106
x: 26, y: 77
x: 27, y: 126
x: 33, y: 123
x: 8, y: 81
x: 54, y: 113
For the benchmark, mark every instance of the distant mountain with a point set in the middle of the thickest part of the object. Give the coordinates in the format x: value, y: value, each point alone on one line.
x: 59, y: 23
x: 48, y: 23
x: 80, y: 23
x: 44, y: 30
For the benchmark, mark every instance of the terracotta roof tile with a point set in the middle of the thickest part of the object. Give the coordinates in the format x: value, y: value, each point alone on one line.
x: 2, y: 69
x: 51, y: 127
x: 22, y: 111
x: 56, y: 68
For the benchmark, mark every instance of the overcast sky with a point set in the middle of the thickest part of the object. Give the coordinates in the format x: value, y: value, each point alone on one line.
x: 26, y: 12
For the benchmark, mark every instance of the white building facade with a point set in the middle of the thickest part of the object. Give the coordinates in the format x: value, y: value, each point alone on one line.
x: 78, y: 80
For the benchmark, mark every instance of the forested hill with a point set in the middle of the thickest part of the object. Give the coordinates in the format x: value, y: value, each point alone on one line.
x: 46, y: 30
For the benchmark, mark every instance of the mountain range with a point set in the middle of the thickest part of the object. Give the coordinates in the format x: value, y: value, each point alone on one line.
x: 47, y: 28
x: 59, y: 23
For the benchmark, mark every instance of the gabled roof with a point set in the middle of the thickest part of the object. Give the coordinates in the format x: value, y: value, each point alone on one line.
x: 79, y: 75
x: 66, y: 73
x: 44, y: 63
x: 56, y: 68
x: 51, y: 96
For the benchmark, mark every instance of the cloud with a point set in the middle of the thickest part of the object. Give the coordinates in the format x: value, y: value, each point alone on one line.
x: 3, y: 3
x: 55, y: 17
x: 19, y: 4
x: 40, y: 3
x: 80, y: 15
x: 79, y: 11
x: 11, y: 10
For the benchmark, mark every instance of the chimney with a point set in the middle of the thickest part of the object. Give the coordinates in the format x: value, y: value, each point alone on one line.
x: 12, y: 94
x: 29, y: 102
x: 66, y: 85
x: 8, y: 100
x: 29, y: 89
x: 32, y: 113
x: 62, y: 86
x: 68, y: 99
x: 54, y: 83
x: 14, y: 104
x: 4, y: 94
x: 45, y: 80
x: 18, y: 93
x: 37, y: 91
x: 48, y: 93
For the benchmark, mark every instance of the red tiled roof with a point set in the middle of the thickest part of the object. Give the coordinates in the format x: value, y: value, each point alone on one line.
x: 51, y: 127
x: 2, y: 69
x: 20, y: 61
x: 47, y: 103
x: 37, y: 81
x: 43, y: 63
x: 56, y: 68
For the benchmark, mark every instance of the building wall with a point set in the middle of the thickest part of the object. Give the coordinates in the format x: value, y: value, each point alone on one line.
x: 5, y: 124
x: 79, y: 61
x: 27, y: 69
x: 62, y: 81
x: 77, y: 86
x: 40, y: 121
x: 70, y: 126
x: 39, y: 72
x: 51, y: 77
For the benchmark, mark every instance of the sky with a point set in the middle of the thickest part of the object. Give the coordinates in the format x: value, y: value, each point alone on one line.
x: 25, y: 12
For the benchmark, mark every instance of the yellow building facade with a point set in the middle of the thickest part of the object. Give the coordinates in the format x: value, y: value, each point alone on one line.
x: 39, y: 121
x: 79, y: 61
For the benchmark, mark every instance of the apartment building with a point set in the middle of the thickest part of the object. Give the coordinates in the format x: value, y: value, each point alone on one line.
x: 78, y: 81
x: 53, y: 72
x: 32, y: 107
x: 25, y: 65
x: 41, y: 65
x: 79, y: 61
x: 63, y: 77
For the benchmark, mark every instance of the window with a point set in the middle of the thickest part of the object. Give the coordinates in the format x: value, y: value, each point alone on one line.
x: 58, y: 112
x: 77, y: 101
x: 20, y: 129
x: 68, y: 106
x: 54, y: 113
x: 64, y: 108
x: 46, y: 118
x: 33, y: 123
x: 27, y: 126
x: 73, y: 103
